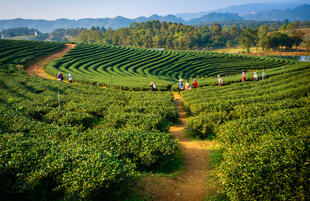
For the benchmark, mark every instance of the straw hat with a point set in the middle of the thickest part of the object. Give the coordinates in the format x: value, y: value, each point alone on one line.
x: 180, y: 80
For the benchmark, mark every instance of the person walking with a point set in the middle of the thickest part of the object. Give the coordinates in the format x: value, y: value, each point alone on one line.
x: 264, y: 75
x: 243, y: 77
x: 152, y: 86
x: 187, y: 86
x: 70, y: 78
x: 255, y: 77
x: 180, y: 86
x: 219, y: 80
x: 195, y: 84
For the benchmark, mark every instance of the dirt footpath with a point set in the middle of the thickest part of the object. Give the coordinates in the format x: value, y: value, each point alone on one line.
x: 192, y: 184
x: 36, y: 67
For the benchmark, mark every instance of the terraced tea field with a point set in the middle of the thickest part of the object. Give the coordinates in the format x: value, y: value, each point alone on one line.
x: 17, y: 52
x: 132, y: 68
x: 62, y: 141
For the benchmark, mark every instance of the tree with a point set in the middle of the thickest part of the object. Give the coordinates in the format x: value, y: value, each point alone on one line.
x: 89, y: 36
x: 216, y: 28
x: 278, y: 40
x: 307, y: 44
x: 247, y: 39
x: 297, y: 38
x: 263, y: 37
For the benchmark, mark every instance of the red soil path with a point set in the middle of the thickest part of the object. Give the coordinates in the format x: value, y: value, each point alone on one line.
x: 36, y: 67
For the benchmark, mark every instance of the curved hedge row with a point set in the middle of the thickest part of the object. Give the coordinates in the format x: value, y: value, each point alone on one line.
x: 21, y: 52
x: 132, y: 68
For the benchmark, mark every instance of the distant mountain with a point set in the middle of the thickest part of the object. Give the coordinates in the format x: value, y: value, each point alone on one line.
x: 215, y: 17
x: 244, y: 9
x: 301, y: 13
x: 258, y: 7
x: 113, y: 23
x: 253, y: 12
x: 189, y: 16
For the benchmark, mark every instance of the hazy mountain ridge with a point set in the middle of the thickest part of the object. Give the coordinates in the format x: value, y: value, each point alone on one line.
x: 233, y: 13
x: 213, y: 17
x: 301, y: 13
x: 243, y: 9
x: 113, y: 23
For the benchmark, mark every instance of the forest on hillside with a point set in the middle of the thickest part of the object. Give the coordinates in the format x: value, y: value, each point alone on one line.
x: 155, y: 34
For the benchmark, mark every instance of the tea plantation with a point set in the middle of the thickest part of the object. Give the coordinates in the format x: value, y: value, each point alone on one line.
x: 132, y: 68
x: 80, y: 141
x: 264, y: 129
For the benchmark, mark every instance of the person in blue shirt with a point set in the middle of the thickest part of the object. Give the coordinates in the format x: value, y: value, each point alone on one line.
x: 180, y: 86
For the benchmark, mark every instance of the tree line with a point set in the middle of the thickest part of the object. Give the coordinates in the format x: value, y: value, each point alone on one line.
x: 177, y: 36
x: 269, y: 40
x: 155, y: 34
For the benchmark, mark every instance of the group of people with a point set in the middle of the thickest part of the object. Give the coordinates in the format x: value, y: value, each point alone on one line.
x: 255, y: 77
x: 187, y: 86
x: 61, y: 77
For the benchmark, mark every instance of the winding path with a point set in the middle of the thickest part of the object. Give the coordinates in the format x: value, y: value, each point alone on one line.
x: 192, y: 184
x: 36, y: 67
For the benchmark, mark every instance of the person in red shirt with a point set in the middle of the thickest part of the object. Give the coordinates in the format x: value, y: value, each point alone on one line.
x: 243, y: 77
x: 195, y: 84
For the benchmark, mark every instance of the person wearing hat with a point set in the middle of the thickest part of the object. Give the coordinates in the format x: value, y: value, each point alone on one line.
x: 70, y: 78
x: 180, y: 86
x: 219, y: 80
x: 243, y: 77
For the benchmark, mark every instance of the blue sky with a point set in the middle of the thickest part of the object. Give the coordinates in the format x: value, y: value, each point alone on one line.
x: 75, y: 9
